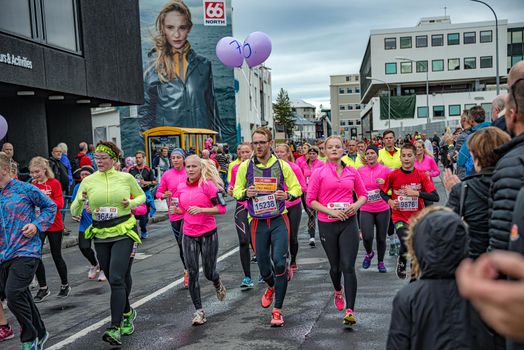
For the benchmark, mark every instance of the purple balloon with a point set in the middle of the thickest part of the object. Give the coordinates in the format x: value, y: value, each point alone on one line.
x: 229, y: 52
x: 3, y: 127
x: 256, y: 49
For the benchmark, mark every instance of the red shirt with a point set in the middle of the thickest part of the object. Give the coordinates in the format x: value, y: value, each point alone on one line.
x: 84, y: 160
x: 398, y: 181
x: 53, y: 190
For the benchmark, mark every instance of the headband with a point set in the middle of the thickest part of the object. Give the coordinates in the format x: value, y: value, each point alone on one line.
x: 105, y: 149
x: 178, y: 151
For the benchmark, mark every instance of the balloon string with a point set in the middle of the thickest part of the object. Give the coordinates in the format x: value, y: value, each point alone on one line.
x: 248, y: 81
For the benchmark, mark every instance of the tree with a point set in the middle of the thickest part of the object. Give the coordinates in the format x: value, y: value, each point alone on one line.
x: 283, y: 113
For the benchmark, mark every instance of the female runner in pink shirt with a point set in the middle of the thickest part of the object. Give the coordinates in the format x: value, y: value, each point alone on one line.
x: 425, y: 161
x: 312, y: 162
x: 375, y: 213
x: 168, y: 185
x: 330, y: 192
x: 294, y: 209
x: 199, y: 200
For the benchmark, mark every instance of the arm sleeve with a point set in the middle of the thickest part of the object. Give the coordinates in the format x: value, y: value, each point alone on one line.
x: 56, y: 194
x: 232, y: 177
x: 139, y: 196
x: 384, y: 196
x: 434, y: 168
x: 301, y: 180
x: 47, y: 209
x: 313, y: 187
x: 239, y: 191
x: 400, y: 326
x: 229, y: 170
x: 430, y: 196
x: 463, y: 155
x: 211, y: 192
x: 161, y: 188
x: 360, y: 188
x: 293, y: 186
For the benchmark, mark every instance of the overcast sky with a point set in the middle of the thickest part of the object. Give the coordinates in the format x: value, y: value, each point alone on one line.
x: 314, y: 39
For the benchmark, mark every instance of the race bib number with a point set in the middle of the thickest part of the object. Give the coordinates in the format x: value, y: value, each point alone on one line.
x: 406, y: 203
x: 106, y: 213
x: 173, y: 204
x: 264, y: 204
x: 265, y: 184
x: 374, y: 196
x: 337, y: 206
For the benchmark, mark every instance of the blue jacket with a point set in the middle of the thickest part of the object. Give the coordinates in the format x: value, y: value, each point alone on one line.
x: 18, y: 206
x: 67, y: 164
x: 464, y: 154
x: 85, y: 220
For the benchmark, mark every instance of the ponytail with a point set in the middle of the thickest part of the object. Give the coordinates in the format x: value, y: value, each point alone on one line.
x: 208, y: 172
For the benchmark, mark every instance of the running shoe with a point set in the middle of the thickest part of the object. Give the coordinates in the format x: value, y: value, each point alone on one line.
x: 254, y: 259
x: 276, y: 318
x: 199, y: 319
x: 30, y: 345
x: 102, y: 276
x: 113, y: 336
x: 367, y: 260
x: 247, y: 283
x: 144, y: 235
x: 339, y: 300
x: 401, y: 269
x: 267, y: 298
x: 221, y: 291
x: 128, y: 327
x: 6, y: 332
x: 93, y: 271
x: 392, y: 249
x: 41, y: 341
x: 349, y: 318
x: 64, y: 291
x: 261, y: 279
x: 186, y: 280
x: 41, y: 295
x: 312, y: 242
x: 382, y: 267
x: 294, y: 266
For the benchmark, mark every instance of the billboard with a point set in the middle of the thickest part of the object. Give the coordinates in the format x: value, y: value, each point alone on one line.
x: 185, y: 85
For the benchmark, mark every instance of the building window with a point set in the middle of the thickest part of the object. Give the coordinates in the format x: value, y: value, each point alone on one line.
x: 437, y: 40
x: 453, y: 63
x: 468, y: 106
x: 15, y: 17
x: 358, y: 122
x: 341, y: 107
x: 422, y: 112
x: 405, y: 42
x: 470, y: 63
x: 437, y: 65
x: 350, y: 122
x: 486, y: 62
x: 357, y: 106
x: 516, y: 37
x: 342, y: 123
x: 406, y: 67
x: 349, y: 90
x: 453, y: 38
x: 391, y: 68
x: 350, y: 107
x: 454, y: 110
x: 390, y: 43
x: 470, y: 37
x: 356, y: 77
x: 357, y: 90
x: 487, y: 109
x: 60, y: 23
x: 421, y: 41
x: 347, y: 77
x: 341, y: 91
x: 515, y: 59
x: 439, y: 112
x: 486, y: 36
x: 421, y: 66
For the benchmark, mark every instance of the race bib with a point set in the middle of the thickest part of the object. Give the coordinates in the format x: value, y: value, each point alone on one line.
x: 406, y: 203
x: 374, y: 196
x: 265, y: 184
x: 173, y: 204
x: 337, y: 206
x: 264, y: 204
x: 105, y: 213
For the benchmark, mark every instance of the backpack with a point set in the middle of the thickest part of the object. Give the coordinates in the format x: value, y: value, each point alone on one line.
x: 76, y: 163
x: 60, y: 172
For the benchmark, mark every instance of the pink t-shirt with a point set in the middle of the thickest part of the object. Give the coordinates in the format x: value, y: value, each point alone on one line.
x: 369, y: 175
x: 231, y: 185
x: 307, y: 169
x: 428, y: 164
x: 169, y: 182
x: 301, y: 181
x: 333, y: 191
x: 300, y: 161
x: 191, y: 194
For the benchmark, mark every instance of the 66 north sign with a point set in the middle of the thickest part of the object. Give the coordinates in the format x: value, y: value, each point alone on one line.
x: 215, y: 13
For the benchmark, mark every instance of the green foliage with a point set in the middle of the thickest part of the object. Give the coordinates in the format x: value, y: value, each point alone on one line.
x: 282, y: 112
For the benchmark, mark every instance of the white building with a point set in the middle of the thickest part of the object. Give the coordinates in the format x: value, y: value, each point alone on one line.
x: 106, y: 124
x: 456, y: 60
x: 344, y: 91
x: 253, y: 100
x: 304, y: 129
x: 304, y: 109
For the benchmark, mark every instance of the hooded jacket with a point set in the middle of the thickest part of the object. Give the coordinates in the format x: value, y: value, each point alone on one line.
x: 429, y: 312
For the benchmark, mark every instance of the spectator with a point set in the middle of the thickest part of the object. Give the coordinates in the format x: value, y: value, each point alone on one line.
x: 427, y: 142
x: 81, y: 159
x: 436, y: 138
x: 223, y: 162
x: 466, y: 131
x: 8, y: 149
x: 58, y: 168
x: 65, y: 160
x: 91, y: 155
x: 477, y: 121
x: 497, y: 112
x: 161, y: 162
x: 206, y: 155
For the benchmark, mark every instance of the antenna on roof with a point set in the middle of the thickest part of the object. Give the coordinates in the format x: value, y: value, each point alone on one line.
x: 445, y: 10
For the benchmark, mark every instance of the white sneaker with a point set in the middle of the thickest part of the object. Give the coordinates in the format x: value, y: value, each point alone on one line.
x: 200, y: 318
x: 312, y: 242
x: 102, y: 277
x: 93, y: 270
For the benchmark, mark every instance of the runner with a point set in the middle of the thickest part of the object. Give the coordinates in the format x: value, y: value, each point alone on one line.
x: 330, y: 192
x: 114, y: 231
x: 199, y: 200
x: 308, y: 166
x: 25, y: 211
x: 244, y: 152
x: 44, y: 180
x: 294, y: 209
x: 261, y: 181
x: 305, y: 150
x: 425, y: 161
x: 409, y: 188
x: 232, y: 164
x: 352, y: 158
x: 166, y: 190
x: 321, y: 147
x: 376, y: 212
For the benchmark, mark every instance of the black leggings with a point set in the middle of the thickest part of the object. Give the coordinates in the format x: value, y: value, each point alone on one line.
x: 340, y: 240
x: 115, y: 260
x: 368, y: 223
x: 55, y: 243
x: 176, y: 226
x: 207, y: 247
x: 85, y: 248
x: 294, y: 214
x: 311, y: 218
x: 402, y: 233
x: 242, y: 225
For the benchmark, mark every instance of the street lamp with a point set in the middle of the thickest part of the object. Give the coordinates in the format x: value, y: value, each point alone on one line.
x: 389, y: 99
x: 427, y: 84
x: 496, y: 43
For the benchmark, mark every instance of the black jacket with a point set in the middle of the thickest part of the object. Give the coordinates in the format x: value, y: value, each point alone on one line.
x: 507, y: 180
x: 429, y: 312
x: 474, y: 210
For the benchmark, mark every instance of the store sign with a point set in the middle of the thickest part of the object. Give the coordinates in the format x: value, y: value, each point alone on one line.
x: 16, y: 60
x: 215, y: 13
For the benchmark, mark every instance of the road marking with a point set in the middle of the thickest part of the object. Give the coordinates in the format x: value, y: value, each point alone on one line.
x: 142, y: 256
x: 135, y: 305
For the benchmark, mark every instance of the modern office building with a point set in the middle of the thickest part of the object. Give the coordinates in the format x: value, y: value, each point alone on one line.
x: 515, y: 37
x: 440, y: 68
x: 344, y: 93
x: 60, y: 58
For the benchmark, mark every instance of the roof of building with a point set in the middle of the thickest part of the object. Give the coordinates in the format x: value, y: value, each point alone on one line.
x: 301, y: 104
x: 300, y: 120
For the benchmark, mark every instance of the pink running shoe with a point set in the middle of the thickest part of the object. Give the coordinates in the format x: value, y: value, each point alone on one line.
x: 6, y: 332
x: 267, y: 298
x: 93, y: 270
x: 276, y: 318
x: 339, y: 300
